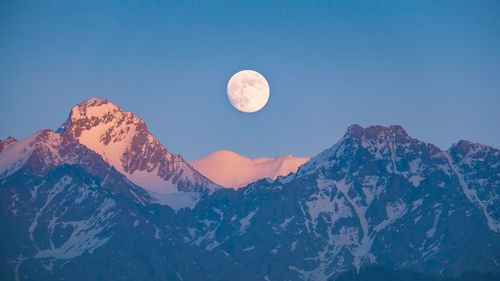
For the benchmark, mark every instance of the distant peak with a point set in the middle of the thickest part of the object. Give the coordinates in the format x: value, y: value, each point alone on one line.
x: 464, y: 143
x: 227, y: 155
x: 44, y: 133
x: 464, y: 147
x: 9, y: 139
x: 7, y: 142
x: 231, y: 169
x: 224, y: 152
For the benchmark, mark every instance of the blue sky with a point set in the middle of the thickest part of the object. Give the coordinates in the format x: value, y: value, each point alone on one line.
x: 431, y: 66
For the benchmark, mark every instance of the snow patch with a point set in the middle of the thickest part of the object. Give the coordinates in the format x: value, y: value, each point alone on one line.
x: 247, y: 220
x: 178, y: 200
x: 249, y: 249
x: 87, y: 235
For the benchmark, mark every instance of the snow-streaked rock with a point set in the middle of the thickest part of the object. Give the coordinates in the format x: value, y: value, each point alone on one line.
x: 378, y: 196
x: 123, y: 140
x: 177, y: 200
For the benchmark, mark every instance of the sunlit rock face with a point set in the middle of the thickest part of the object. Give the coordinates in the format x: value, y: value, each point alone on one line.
x: 123, y: 140
x: 68, y: 205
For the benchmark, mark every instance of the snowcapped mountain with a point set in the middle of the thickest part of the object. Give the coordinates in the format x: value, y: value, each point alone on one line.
x: 72, y: 208
x: 45, y: 150
x: 378, y: 196
x: 123, y: 140
x: 230, y: 169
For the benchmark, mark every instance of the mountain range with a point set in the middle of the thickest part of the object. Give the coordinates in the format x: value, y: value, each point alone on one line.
x: 101, y: 199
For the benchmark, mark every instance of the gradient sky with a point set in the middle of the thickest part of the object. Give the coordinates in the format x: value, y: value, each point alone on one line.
x: 431, y: 66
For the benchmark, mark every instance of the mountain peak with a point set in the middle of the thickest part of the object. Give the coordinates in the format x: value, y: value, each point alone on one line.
x: 98, y: 123
x: 464, y: 148
x: 9, y: 139
x: 227, y: 154
x: 231, y: 169
x: 7, y: 142
x: 381, y: 141
x: 123, y: 140
x: 355, y: 130
x: 377, y: 132
x: 465, y: 144
x: 95, y: 101
x: 98, y: 108
x: 94, y: 112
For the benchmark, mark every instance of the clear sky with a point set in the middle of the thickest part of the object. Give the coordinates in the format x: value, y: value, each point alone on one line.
x: 431, y: 66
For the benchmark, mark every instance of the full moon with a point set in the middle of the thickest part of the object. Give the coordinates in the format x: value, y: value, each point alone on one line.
x: 248, y: 91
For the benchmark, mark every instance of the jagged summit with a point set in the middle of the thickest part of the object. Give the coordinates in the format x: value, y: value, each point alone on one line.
x: 94, y: 111
x: 381, y: 133
x: 14, y: 156
x: 123, y: 140
x: 8, y: 139
x: 384, y: 143
x: 7, y: 142
x: 467, y: 147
